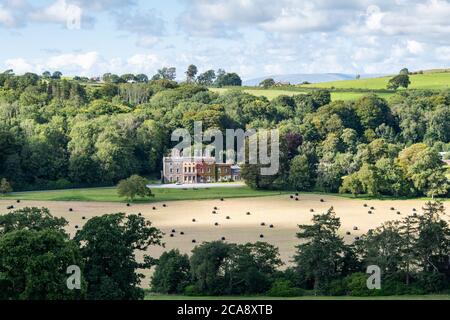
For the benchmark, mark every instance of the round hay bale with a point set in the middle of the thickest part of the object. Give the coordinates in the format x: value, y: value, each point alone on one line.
x: 128, y: 205
x: 215, y: 208
x: 263, y: 224
x: 223, y: 238
x: 194, y: 241
x: 174, y: 231
x: 355, y: 228
x: 296, y: 199
x: 139, y: 214
x: 399, y: 213
x: 76, y: 227
x: 182, y: 233
x: 372, y: 208
x: 216, y: 224
x: 248, y: 213
x: 165, y: 205
x: 357, y: 238
x: 214, y: 212
x: 261, y: 236
x: 154, y: 208
x: 171, y: 235
x: 365, y: 205
x: 84, y: 218
x: 271, y: 226
x: 228, y: 218
x: 70, y: 210
x: 193, y: 220
x: 370, y: 212
x: 414, y: 209
x: 18, y: 201
x: 297, y: 194
x: 312, y: 210
x: 292, y: 197
x: 322, y: 200
x: 348, y: 233
x: 222, y: 199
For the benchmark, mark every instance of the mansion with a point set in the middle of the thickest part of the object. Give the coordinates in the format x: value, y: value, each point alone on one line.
x: 188, y: 170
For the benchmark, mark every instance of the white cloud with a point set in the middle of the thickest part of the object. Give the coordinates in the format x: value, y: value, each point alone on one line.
x: 84, y: 61
x: 147, y: 41
x: 19, y: 65
x: 6, y: 17
x: 414, y: 47
x: 58, y: 12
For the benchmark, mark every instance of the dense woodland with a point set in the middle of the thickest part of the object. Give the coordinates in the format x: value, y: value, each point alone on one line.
x: 57, y: 133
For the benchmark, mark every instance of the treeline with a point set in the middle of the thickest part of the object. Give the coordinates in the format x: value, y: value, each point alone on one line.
x: 35, y: 252
x: 367, y: 146
x: 56, y: 133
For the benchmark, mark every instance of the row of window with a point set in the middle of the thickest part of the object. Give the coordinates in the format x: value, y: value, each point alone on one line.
x: 188, y: 170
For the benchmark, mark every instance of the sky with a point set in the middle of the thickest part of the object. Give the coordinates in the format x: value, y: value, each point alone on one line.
x: 254, y: 38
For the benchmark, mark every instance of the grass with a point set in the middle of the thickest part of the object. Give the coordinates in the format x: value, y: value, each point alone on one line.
x: 110, y: 194
x: 273, y: 93
x: 305, y: 298
x: 433, y: 80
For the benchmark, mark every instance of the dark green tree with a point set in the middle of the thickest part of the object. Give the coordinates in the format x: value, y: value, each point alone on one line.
x: 172, y: 273
x: 109, y: 245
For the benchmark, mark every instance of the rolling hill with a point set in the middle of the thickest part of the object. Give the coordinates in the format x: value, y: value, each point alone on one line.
x: 302, y: 77
x: 428, y: 80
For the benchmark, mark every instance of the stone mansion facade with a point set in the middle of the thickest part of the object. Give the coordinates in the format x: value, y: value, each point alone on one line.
x: 188, y: 170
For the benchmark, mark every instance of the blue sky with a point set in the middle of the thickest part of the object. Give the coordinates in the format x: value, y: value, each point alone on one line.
x: 251, y: 37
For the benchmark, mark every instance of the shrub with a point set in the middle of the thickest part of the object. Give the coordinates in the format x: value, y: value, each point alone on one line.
x: 191, y: 291
x: 432, y: 282
x: 284, y: 288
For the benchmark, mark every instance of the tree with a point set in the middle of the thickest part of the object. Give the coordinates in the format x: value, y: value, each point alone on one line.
x: 373, y: 111
x: 172, y: 273
x: 228, y: 79
x: 134, y: 186
x: 251, y: 267
x: 427, y: 172
x: 128, y: 77
x: 191, y: 73
x: 401, y: 80
x: 404, y: 71
x: 352, y: 184
x: 34, y: 219
x: 320, y: 256
x: 46, y: 75
x: 383, y: 247
x: 142, y: 78
x: 221, y: 268
x: 267, y: 83
x: 166, y: 73
x: 301, y: 174
x: 207, y: 78
x: 108, y: 246
x: 33, y: 266
x: 56, y: 75
x: 433, y: 240
x: 5, y: 187
x: 207, y: 267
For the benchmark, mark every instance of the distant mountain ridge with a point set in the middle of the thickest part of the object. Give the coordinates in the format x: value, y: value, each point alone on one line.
x: 309, y: 77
